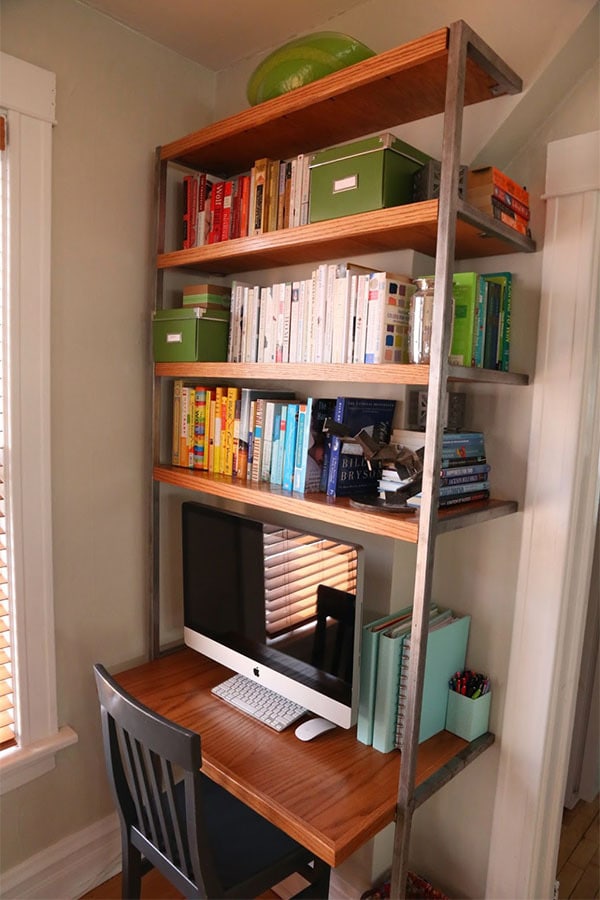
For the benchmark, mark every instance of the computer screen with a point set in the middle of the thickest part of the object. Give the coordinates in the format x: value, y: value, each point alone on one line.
x: 276, y: 604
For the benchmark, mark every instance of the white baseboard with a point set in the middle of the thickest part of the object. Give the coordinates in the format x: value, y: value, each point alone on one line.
x: 69, y: 868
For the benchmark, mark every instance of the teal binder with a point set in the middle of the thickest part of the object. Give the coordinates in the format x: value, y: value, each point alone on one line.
x: 369, y: 653
x: 391, y: 657
x: 387, y: 686
x: 446, y: 655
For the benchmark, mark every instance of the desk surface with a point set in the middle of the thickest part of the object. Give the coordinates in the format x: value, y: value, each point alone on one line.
x: 331, y: 794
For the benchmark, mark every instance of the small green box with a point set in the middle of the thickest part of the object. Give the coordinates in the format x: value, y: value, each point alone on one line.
x: 373, y: 173
x: 189, y: 335
x: 214, y: 298
x: 466, y: 717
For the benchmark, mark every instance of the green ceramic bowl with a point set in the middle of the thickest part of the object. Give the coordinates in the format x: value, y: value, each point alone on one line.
x: 303, y: 60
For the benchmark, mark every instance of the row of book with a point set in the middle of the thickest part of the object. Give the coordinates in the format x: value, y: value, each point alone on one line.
x: 482, y: 320
x: 343, y: 313
x: 271, y: 436
x: 464, y: 473
x: 273, y: 195
x: 493, y: 192
x: 385, y: 659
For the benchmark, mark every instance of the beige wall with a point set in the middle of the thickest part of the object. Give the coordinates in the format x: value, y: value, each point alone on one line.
x: 118, y: 96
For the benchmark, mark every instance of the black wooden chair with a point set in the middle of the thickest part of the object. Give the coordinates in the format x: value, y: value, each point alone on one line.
x: 205, y: 841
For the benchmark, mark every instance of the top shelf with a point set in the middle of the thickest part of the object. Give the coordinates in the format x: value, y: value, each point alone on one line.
x: 398, y: 86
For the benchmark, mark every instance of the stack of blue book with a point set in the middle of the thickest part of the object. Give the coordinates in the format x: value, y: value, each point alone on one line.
x: 464, y: 475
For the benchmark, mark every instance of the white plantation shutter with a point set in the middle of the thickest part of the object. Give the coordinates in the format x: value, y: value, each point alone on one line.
x: 6, y: 680
x: 295, y: 564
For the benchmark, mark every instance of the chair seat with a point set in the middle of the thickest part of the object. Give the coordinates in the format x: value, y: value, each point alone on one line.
x: 262, y: 843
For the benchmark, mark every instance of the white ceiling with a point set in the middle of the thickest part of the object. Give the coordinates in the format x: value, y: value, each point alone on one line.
x: 219, y: 33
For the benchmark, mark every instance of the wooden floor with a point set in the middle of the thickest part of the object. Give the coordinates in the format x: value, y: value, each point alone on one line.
x: 154, y: 887
x: 578, y: 864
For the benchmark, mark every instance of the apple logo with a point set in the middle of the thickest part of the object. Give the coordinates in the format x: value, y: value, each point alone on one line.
x: 257, y: 671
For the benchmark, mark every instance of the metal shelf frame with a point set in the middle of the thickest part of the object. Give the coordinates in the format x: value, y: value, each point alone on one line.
x: 459, y: 49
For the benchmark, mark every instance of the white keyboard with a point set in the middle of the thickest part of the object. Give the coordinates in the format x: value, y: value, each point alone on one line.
x: 259, y: 702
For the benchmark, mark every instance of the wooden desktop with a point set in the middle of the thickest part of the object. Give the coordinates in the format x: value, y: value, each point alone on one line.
x: 331, y: 794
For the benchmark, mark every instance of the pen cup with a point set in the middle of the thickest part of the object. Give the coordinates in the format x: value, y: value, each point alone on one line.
x: 466, y: 717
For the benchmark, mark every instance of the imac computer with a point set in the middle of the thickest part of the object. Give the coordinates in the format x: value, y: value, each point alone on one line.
x: 278, y: 605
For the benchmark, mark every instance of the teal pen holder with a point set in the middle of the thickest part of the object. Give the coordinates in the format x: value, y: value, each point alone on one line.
x: 466, y: 717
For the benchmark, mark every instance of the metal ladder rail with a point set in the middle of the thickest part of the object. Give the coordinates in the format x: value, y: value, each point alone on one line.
x: 463, y: 42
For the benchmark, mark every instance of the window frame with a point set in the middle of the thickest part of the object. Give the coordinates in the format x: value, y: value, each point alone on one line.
x: 27, y: 95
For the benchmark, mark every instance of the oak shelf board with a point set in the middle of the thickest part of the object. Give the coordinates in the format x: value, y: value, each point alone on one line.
x: 334, y: 510
x: 346, y: 792
x: 331, y: 372
x: 400, y: 85
x: 412, y: 226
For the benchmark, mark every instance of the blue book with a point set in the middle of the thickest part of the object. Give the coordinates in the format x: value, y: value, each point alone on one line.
x: 279, y: 414
x: 348, y: 471
x: 302, y: 445
x: 479, y: 323
x: 289, y: 449
x: 463, y: 445
x: 492, y: 324
x: 504, y: 279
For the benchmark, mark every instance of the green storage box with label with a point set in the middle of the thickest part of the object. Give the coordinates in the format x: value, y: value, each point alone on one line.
x: 189, y: 335
x: 373, y: 173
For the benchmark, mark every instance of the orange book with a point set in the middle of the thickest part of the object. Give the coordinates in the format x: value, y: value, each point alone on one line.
x: 489, y: 175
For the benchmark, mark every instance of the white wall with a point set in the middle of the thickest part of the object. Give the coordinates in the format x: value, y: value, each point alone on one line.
x: 118, y: 96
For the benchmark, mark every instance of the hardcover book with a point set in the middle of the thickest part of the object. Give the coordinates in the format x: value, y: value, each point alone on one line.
x: 317, y: 456
x: 387, y: 318
x: 349, y: 472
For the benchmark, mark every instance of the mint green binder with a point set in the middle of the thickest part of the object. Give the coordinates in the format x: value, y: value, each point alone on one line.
x: 371, y: 634
x: 446, y: 654
x: 387, y: 686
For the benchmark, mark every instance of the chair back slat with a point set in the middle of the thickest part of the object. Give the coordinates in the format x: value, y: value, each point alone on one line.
x: 179, y: 847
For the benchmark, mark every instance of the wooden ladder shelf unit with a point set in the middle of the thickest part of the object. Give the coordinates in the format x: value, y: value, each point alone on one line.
x: 439, y: 73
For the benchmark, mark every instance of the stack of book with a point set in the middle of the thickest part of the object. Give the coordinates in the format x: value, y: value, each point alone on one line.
x: 464, y: 473
x: 385, y: 655
x: 493, y: 192
x: 343, y: 313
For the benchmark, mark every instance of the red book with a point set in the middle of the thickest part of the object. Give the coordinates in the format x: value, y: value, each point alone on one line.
x: 226, y: 215
x: 190, y: 210
x: 216, y: 212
